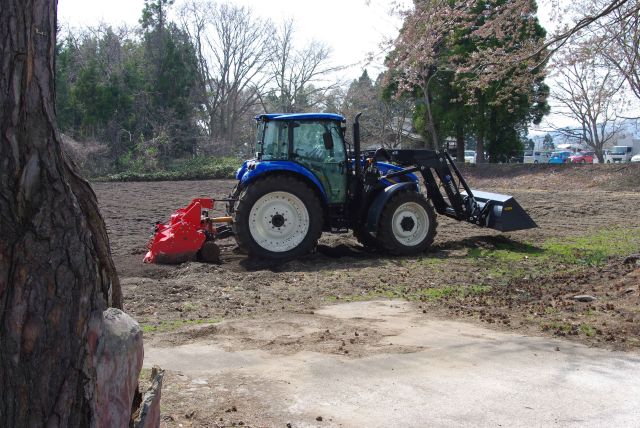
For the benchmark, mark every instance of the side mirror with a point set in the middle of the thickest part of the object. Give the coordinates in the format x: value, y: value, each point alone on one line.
x: 328, y: 140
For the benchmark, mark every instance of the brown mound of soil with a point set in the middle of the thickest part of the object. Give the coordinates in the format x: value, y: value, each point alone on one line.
x: 617, y: 177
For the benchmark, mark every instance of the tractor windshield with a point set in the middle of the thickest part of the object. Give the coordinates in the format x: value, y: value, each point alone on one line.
x: 275, y: 140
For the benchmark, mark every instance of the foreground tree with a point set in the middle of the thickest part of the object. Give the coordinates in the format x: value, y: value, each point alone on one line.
x: 56, y: 273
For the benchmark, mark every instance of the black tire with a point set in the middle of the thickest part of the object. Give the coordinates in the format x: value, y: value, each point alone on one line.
x: 386, y: 234
x: 283, y: 185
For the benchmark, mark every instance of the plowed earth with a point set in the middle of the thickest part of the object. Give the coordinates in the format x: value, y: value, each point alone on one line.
x: 587, y: 243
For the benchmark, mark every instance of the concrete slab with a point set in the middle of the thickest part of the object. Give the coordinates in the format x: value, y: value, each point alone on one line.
x: 416, y: 372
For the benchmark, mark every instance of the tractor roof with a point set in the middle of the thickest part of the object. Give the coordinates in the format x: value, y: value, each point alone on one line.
x: 300, y: 116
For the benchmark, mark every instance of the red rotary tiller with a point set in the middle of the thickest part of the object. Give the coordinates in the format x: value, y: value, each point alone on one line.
x: 190, y: 234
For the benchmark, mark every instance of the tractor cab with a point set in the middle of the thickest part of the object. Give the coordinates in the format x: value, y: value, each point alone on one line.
x: 314, y: 142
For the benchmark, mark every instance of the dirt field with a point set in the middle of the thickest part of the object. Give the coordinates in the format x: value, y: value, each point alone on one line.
x: 587, y: 243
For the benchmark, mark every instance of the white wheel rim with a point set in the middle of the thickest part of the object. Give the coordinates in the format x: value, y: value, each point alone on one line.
x: 278, y: 221
x: 410, y: 224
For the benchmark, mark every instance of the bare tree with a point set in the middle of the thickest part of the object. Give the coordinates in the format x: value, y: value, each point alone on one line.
x: 590, y: 95
x: 586, y: 18
x: 299, y: 75
x: 232, y: 47
x: 617, y: 39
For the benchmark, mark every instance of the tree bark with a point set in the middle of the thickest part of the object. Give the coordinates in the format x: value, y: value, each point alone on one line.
x: 56, y: 271
x: 480, y: 128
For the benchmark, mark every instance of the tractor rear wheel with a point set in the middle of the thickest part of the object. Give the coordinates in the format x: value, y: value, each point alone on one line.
x: 278, y: 218
x: 407, y: 224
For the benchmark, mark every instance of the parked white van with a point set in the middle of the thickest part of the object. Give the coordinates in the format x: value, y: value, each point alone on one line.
x: 623, y: 153
x: 532, y: 156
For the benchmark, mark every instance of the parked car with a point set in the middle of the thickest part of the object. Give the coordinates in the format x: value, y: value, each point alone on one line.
x: 536, y: 157
x: 582, y: 157
x: 469, y: 156
x: 560, y: 157
x: 623, y: 153
x: 635, y: 158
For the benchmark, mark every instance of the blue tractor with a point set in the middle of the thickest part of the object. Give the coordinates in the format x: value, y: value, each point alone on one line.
x: 306, y: 179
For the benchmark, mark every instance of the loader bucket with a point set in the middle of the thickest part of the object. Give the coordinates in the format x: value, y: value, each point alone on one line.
x: 506, y: 214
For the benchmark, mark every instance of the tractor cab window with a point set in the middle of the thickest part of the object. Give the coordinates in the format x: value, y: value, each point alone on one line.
x: 317, y: 141
x: 275, y: 140
x: 319, y: 147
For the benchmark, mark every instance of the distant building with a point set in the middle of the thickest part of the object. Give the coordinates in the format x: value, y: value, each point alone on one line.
x: 403, y: 128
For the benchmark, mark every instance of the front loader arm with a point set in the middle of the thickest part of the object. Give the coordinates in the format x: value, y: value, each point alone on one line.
x: 439, y: 172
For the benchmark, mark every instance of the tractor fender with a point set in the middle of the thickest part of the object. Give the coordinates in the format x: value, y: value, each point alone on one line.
x: 376, y: 207
x: 259, y: 169
x: 246, y: 165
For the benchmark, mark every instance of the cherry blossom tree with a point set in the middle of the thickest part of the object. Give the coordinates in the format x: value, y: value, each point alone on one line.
x: 487, y: 49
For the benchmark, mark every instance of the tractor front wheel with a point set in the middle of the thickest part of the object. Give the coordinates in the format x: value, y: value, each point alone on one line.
x: 278, y: 218
x: 407, y: 224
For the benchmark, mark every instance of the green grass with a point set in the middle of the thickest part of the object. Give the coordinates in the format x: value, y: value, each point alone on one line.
x: 166, y: 326
x: 593, y: 249
x: 588, y: 330
x: 557, y: 326
x: 506, y: 252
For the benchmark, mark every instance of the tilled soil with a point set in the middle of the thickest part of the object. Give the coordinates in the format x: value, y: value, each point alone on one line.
x: 182, y: 304
x: 162, y: 297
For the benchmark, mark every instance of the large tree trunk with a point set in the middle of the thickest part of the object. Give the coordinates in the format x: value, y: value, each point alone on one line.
x: 432, y: 142
x: 480, y: 129
x: 56, y: 273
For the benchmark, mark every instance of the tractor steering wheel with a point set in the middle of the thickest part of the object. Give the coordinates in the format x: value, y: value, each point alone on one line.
x: 315, y: 155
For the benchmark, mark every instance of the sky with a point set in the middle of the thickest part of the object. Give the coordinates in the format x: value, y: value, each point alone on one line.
x: 352, y: 28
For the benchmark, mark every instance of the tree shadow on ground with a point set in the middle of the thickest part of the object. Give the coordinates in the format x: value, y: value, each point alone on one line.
x: 325, y: 257
x: 344, y: 256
